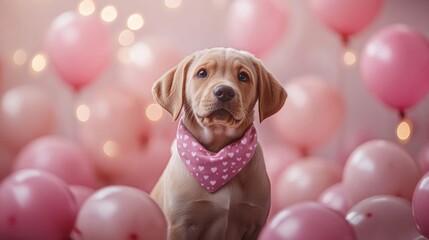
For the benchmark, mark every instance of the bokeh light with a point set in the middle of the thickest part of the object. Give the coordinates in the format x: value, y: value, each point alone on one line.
x: 124, y: 55
x: 83, y: 113
x: 404, y: 130
x: 154, y: 112
x: 349, y: 58
x: 19, y: 57
x: 38, y: 63
x: 109, y: 13
x: 86, y: 7
x: 111, y: 149
x: 126, y: 38
x: 135, y: 21
x: 173, y: 3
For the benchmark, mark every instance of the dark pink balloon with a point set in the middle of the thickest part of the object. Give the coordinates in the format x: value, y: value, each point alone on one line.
x: 312, y: 113
x: 336, y: 198
x: 383, y: 217
x: 308, y: 220
x: 394, y: 66
x: 59, y: 156
x: 79, y: 48
x: 120, y: 212
x: 304, y: 180
x: 421, y: 205
x: 380, y: 167
x: 35, y: 205
x: 346, y: 17
x: 255, y: 25
x: 18, y: 110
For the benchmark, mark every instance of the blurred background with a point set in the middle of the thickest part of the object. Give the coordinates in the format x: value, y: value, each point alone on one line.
x: 80, y: 73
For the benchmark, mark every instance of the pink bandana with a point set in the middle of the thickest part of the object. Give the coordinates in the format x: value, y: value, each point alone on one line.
x: 213, y: 170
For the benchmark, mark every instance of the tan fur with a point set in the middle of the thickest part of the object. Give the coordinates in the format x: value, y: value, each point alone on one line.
x: 239, y: 209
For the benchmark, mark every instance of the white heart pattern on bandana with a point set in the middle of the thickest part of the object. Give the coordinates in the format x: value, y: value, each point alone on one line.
x: 213, y: 170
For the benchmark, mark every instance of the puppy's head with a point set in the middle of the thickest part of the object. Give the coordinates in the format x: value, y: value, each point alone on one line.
x: 219, y: 87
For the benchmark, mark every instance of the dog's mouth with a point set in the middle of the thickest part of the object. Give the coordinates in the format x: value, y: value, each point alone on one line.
x: 219, y: 116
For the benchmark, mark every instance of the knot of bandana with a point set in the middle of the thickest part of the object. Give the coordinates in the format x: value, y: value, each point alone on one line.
x: 213, y: 170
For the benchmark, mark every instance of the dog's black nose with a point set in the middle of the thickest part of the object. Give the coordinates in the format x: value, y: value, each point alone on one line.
x: 224, y: 93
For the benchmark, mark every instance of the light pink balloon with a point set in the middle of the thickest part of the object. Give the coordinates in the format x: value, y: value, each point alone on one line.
x: 308, y: 220
x: 380, y: 167
x: 120, y: 212
x: 255, y: 25
x: 346, y: 17
x: 383, y: 217
x: 336, y: 198
x: 113, y: 129
x: 79, y: 48
x: 35, y: 205
x: 394, y: 66
x: 80, y: 194
x: 150, y: 58
x: 26, y: 113
x: 421, y: 205
x: 423, y: 158
x: 278, y: 157
x: 312, y: 113
x: 60, y: 156
x: 304, y: 180
x: 143, y: 169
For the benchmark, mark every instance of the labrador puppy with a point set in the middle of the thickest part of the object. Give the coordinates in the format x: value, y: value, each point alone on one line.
x: 215, y: 185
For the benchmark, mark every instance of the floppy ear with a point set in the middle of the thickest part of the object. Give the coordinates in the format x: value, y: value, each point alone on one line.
x: 271, y: 94
x: 169, y: 90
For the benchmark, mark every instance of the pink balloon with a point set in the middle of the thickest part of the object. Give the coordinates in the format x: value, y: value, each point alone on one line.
x: 421, y: 205
x: 312, y: 113
x: 59, y: 156
x: 150, y: 58
x: 346, y: 17
x: 255, y: 25
x: 304, y: 180
x: 380, y: 167
x: 308, y: 220
x: 394, y: 66
x: 113, y: 129
x: 120, y: 212
x: 383, y: 217
x: 336, y: 198
x: 6, y: 162
x: 80, y: 194
x: 18, y: 122
x: 278, y: 157
x: 423, y: 158
x: 35, y: 205
x: 143, y: 169
x: 78, y: 47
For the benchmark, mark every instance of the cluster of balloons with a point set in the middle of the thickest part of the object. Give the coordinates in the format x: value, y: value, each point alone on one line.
x: 381, y: 193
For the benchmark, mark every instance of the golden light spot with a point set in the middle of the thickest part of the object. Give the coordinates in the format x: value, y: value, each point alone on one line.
x: 154, y: 112
x: 349, y: 58
x: 135, y: 21
x: 38, y: 63
x: 173, y: 3
x: 83, y: 113
x: 19, y: 57
x: 110, y: 148
x: 126, y: 38
x: 404, y: 130
x: 86, y: 7
x: 109, y: 13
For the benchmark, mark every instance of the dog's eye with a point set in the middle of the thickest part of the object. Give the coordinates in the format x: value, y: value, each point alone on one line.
x: 202, y: 73
x: 243, y: 76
